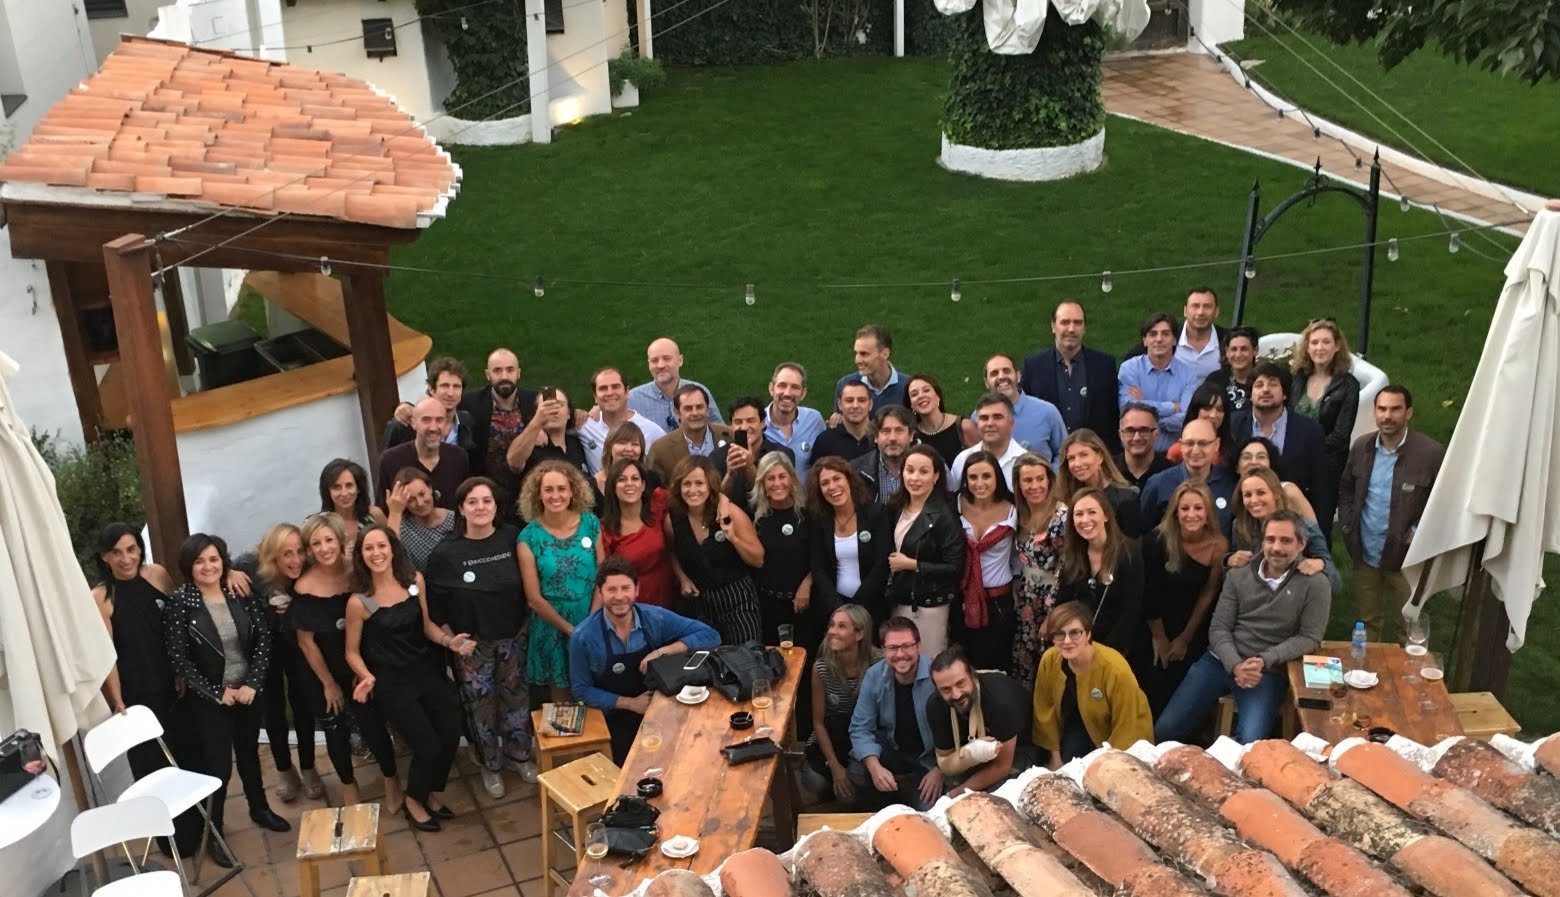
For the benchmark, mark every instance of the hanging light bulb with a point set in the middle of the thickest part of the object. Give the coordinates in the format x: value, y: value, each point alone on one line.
x: 953, y: 292
x: 463, y: 25
x: 324, y: 266
x: 1455, y: 243
x: 1392, y: 250
x: 749, y: 297
x: 1251, y: 269
x: 541, y: 286
x: 1404, y: 204
x: 1105, y: 283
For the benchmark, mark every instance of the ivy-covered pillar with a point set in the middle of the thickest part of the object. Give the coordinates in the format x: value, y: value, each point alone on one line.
x: 1034, y: 116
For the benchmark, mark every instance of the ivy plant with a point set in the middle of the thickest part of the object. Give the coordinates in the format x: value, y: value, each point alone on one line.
x: 486, y: 46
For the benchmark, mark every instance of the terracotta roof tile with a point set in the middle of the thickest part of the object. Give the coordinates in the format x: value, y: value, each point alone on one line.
x: 679, y: 883
x: 754, y: 873
x: 225, y: 130
x: 1473, y: 764
x: 1003, y: 841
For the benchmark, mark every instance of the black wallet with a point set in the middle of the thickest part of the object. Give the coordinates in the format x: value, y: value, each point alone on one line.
x: 750, y: 750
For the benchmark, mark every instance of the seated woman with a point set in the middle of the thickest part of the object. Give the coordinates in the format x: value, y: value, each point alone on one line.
x: 714, y: 547
x: 1086, y: 463
x: 1257, y: 496
x: 1085, y: 694
x: 848, y: 554
x: 1182, y: 570
x: 1259, y: 451
x: 843, y: 656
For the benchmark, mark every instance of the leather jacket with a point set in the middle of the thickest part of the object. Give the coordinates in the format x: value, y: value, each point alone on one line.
x: 195, y: 648
x: 936, y: 541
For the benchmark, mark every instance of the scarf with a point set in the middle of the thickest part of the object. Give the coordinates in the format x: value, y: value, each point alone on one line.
x: 974, y: 581
x: 977, y: 719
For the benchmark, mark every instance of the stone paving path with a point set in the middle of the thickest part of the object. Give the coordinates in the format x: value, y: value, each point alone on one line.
x: 1193, y: 94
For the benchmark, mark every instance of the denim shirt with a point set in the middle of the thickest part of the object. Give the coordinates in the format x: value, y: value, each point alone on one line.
x: 872, y: 723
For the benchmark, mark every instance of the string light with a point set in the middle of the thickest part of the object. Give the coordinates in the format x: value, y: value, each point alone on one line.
x: 750, y: 296
x: 325, y: 266
x: 1454, y: 243
x: 1251, y: 269
x: 1404, y: 204
x: 541, y: 286
x: 954, y: 293
x: 1105, y: 283
x: 1392, y: 250
x: 463, y: 25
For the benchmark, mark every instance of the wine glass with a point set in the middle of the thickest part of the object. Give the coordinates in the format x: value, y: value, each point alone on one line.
x: 1418, y: 635
x: 596, y: 848
x: 787, y: 637
x: 762, y: 701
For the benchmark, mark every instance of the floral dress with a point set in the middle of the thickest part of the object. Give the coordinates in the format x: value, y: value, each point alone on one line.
x: 1034, y: 594
x: 566, y: 572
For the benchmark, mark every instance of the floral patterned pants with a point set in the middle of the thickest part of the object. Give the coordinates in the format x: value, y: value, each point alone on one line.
x: 493, y: 688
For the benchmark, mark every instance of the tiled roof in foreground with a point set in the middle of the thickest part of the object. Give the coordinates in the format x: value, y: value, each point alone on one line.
x: 211, y: 129
x: 1462, y: 819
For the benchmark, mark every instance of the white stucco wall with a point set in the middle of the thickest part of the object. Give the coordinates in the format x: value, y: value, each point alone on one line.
x: 1215, y: 22
x: 577, y: 62
x: 403, y: 76
x: 30, y: 333
x: 138, y: 19
x: 242, y: 478
x: 45, y: 50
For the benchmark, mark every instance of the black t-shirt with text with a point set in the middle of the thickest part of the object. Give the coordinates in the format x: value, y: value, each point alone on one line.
x: 474, y: 585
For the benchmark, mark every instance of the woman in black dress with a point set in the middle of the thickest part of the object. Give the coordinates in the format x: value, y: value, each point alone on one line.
x: 1182, y: 570
x: 318, y: 615
x: 848, y: 554
x: 390, y: 646
x: 1086, y: 463
x: 784, y: 581
x: 220, y: 645
x: 278, y: 562
x: 131, y: 597
x: 1326, y: 390
x: 935, y: 425
x: 713, y: 547
x: 344, y: 492
x: 1102, y: 568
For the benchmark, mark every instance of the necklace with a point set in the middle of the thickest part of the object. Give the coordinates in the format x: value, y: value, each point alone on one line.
x: 845, y: 527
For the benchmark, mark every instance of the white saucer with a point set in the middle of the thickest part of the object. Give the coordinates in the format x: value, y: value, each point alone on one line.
x: 699, y: 697
x: 680, y: 847
x: 1361, y: 678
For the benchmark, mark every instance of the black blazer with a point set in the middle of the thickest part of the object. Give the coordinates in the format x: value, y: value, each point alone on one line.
x: 936, y: 540
x: 1339, y: 406
x: 1101, y: 414
x: 1118, y: 608
x: 195, y: 648
x: 1302, y: 461
x: 872, y: 562
x: 480, y: 405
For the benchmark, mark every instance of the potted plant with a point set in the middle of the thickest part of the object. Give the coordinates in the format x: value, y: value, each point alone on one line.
x: 628, y: 73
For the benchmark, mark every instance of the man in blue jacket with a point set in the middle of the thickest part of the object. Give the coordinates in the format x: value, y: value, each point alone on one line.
x: 892, y: 753
x: 610, y: 650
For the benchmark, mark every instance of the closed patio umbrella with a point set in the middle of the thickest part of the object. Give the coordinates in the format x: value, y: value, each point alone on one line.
x: 1500, y: 481
x: 55, y: 652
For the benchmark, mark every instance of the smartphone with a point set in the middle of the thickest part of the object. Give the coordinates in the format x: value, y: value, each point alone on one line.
x: 695, y: 659
x: 740, y: 438
x: 1315, y: 704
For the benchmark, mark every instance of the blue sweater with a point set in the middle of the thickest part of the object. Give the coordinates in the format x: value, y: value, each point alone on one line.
x: 594, y: 642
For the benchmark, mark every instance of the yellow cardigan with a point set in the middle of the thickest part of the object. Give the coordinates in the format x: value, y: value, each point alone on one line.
x: 1112, y: 706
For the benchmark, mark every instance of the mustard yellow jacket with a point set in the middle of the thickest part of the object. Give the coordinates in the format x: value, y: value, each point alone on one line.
x: 1111, y: 703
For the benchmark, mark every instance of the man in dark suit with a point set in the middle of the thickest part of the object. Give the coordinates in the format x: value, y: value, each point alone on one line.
x: 1079, y: 381
x: 1199, y: 342
x: 1299, y: 439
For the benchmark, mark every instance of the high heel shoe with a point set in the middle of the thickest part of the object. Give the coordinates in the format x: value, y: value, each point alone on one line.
x: 430, y: 825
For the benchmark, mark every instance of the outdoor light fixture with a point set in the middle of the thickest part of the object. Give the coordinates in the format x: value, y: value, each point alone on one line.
x: 1251, y: 269
x: 1403, y: 203
x: 1455, y: 243
x: 325, y: 266
x: 954, y: 292
x: 541, y: 287
x: 1105, y: 285
x: 1392, y: 250
x: 750, y: 297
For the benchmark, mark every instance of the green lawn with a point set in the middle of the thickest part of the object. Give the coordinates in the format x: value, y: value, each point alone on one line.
x: 1501, y: 126
x: 795, y: 176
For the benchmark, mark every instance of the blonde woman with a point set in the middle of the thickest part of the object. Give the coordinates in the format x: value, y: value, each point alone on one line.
x: 1042, y: 521
x: 559, y: 550
x: 1101, y: 567
x: 784, y: 581
x: 1258, y: 496
x: 843, y: 656
x: 1325, y: 391
x: 1182, y: 571
x: 278, y: 562
x: 1086, y: 463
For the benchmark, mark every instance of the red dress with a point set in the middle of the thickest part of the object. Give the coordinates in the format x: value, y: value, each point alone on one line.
x: 646, y: 550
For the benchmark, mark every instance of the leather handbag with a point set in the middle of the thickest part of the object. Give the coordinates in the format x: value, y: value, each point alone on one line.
x: 669, y: 675
x: 738, y: 666
x: 17, y: 753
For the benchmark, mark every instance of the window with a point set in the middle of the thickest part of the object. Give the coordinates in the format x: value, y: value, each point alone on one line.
x: 553, y: 15
x: 379, y: 38
x: 106, y: 9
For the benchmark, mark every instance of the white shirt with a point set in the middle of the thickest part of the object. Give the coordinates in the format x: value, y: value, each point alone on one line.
x: 593, y: 435
x: 996, y: 562
x: 847, y: 565
x: 956, y: 469
x: 1205, y: 361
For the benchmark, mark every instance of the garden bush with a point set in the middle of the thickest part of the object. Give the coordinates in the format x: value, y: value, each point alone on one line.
x: 97, y: 485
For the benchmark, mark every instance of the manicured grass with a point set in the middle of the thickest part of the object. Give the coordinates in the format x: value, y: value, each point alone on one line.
x: 1501, y: 126
x: 822, y: 172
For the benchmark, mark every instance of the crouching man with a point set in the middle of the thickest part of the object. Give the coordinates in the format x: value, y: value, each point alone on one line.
x: 979, y: 722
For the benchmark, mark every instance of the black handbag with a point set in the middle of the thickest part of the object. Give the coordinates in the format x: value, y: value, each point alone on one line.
x: 737, y: 666
x: 21, y: 750
x: 631, y: 828
x: 668, y: 674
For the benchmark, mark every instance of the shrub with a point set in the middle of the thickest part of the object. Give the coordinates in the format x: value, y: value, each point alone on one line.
x: 96, y: 485
x: 488, y: 52
x: 629, y: 66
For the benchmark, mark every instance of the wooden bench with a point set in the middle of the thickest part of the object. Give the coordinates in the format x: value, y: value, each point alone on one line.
x: 411, y: 884
x: 549, y: 748
x: 575, y: 791
x: 807, y: 823
x: 1481, y: 715
x: 338, y: 833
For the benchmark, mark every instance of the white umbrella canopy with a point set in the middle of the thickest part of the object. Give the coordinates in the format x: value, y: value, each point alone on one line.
x: 55, y: 651
x: 1500, y: 481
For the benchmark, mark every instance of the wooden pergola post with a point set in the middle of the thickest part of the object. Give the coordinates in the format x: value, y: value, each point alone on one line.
x: 83, y: 379
x: 128, y: 261
x: 373, y: 363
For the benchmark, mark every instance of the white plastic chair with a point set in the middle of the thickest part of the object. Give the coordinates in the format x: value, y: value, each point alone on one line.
x: 178, y: 789
x: 120, y: 823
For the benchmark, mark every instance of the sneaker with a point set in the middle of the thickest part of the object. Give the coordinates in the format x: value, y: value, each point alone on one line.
x: 527, y: 769
x: 287, y: 788
x: 493, y: 782
x: 313, y: 788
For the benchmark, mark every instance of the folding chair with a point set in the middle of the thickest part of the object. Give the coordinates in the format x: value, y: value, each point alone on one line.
x: 120, y: 823
x: 178, y: 789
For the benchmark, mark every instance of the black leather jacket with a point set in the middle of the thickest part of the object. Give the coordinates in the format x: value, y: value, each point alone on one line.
x: 195, y: 648
x: 936, y: 541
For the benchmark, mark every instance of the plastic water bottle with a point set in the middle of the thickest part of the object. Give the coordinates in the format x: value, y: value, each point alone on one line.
x: 1357, y: 647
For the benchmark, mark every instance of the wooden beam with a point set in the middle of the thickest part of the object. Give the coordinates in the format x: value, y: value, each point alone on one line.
x: 83, y: 378
x: 128, y: 261
x: 373, y: 366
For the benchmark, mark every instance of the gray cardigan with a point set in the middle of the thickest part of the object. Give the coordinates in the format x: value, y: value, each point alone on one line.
x: 1253, y: 620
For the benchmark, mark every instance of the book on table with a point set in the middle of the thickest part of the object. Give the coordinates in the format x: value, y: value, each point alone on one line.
x: 1322, y: 671
x: 564, y: 719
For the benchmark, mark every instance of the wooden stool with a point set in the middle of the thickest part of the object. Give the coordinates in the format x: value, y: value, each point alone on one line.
x: 412, y: 884
x: 1224, y: 717
x: 574, y: 790
x: 338, y: 833
x: 1481, y: 715
x: 549, y: 748
x: 807, y: 823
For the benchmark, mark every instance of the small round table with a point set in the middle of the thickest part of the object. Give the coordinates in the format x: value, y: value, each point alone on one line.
x: 28, y: 809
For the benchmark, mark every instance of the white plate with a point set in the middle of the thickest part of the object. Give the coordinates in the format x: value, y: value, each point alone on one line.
x: 691, y: 701
x: 680, y: 847
x: 1361, y: 678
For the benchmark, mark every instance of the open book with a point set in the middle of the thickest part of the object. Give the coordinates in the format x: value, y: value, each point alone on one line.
x: 1322, y: 671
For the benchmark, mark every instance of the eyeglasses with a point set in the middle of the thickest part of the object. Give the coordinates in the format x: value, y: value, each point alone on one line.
x: 900, y: 649
x: 1139, y: 431
x: 1067, y: 635
x: 1198, y: 443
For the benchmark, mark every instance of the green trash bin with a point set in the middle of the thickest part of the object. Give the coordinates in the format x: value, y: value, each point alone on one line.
x: 225, y: 353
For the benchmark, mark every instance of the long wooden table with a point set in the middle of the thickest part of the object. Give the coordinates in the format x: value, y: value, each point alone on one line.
x: 704, y: 797
x: 1393, y: 702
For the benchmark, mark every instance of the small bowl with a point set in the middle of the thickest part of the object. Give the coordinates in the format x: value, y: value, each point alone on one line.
x: 1380, y: 734
x: 650, y: 789
x: 742, y: 720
